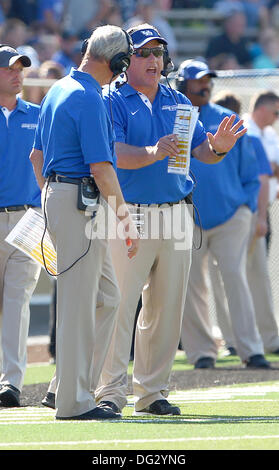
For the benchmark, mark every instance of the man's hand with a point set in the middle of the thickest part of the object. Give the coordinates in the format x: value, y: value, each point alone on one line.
x: 166, y: 146
x: 131, y: 236
x: 227, y: 134
x: 261, y: 227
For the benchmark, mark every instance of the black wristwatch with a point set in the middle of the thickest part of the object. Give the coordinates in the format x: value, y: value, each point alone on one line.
x: 219, y: 154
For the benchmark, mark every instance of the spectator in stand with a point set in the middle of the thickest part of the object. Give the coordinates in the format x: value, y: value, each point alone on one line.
x: 14, y: 32
x: 65, y: 54
x: 25, y: 10
x: 256, y: 13
x: 231, y: 41
x: 4, y: 8
x: 80, y: 21
x: 268, y: 53
x: 148, y: 11
x: 126, y: 8
x: 50, y: 14
x: 46, y: 46
x: 31, y: 93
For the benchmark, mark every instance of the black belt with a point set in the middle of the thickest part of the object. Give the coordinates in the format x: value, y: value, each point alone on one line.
x: 64, y: 179
x: 188, y: 200
x: 15, y: 208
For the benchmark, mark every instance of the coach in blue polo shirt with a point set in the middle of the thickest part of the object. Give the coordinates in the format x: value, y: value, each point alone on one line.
x: 226, y: 198
x: 143, y: 113
x: 74, y: 143
x: 18, y: 191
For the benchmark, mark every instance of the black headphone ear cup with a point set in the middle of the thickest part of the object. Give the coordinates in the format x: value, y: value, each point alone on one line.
x: 121, y: 61
x: 168, y: 64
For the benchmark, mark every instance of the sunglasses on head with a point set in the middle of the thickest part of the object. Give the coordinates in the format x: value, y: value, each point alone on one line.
x: 146, y: 51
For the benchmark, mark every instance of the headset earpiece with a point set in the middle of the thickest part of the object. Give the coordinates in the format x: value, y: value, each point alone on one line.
x: 121, y: 61
x: 168, y: 64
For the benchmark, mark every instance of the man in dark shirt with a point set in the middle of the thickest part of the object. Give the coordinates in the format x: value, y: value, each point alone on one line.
x: 231, y: 42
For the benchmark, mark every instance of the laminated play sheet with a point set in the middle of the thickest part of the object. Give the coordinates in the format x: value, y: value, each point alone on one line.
x: 184, y: 125
x: 27, y: 236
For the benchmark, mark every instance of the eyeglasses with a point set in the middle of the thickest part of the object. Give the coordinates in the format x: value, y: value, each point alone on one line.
x: 146, y: 51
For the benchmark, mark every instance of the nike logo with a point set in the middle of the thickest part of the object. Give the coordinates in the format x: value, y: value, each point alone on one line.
x: 134, y: 112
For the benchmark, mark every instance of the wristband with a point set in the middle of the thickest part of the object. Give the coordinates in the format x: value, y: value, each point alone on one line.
x: 219, y: 154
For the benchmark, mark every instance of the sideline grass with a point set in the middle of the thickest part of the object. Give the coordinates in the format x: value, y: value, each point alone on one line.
x: 43, y: 373
x: 230, y: 417
x: 238, y: 417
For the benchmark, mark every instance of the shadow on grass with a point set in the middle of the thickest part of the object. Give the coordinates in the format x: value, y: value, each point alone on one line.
x: 200, y: 419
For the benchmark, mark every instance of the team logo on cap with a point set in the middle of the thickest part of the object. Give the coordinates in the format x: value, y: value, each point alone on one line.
x: 147, y: 33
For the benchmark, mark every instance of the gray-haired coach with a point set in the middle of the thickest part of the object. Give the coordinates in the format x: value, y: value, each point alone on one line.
x: 74, y: 141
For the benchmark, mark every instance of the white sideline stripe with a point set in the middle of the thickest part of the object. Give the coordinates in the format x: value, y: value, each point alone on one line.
x: 134, y: 441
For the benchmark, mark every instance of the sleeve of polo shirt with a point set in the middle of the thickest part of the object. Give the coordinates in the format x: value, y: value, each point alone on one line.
x: 199, y: 135
x: 95, y: 130
x: 37, y: 139
x: 118, y: 115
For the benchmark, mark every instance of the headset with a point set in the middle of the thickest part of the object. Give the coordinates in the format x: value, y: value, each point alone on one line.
x: 120, y: 62
x: 168, y: 63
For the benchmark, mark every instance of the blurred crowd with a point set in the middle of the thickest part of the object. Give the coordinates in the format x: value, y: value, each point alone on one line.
x: 51, y: 32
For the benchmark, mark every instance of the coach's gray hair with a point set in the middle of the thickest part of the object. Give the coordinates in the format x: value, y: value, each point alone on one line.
x: 107, y: 41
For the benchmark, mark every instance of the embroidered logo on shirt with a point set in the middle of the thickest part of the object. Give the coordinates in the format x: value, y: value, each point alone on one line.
x: 29, y: 125
x: 134, y: 112
x: 170, y: 107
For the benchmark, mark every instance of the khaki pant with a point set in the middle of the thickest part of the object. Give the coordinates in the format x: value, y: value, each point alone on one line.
x: 160, y: 272
x: 260, y: 287
x: 228, y: 245
x: 18, y: 278
x: 87, y: 300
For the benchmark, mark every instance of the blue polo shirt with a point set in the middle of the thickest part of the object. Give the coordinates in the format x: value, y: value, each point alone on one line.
x: 74, y: 128
x: 135, y: 124
x: 223, y: 187
x: 18, y: 184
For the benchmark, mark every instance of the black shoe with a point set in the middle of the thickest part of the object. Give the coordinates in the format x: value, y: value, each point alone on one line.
x: 258, y: 361
x: 9, y: 396
x: 159, y: 407
x: 49, y: 400
x: 109, y: 405
x: 205, y: 363
x: 97, y: 414
x: 231, y: 351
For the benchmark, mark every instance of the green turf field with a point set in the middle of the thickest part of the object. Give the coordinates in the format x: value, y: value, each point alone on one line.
x: 235, y: 417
